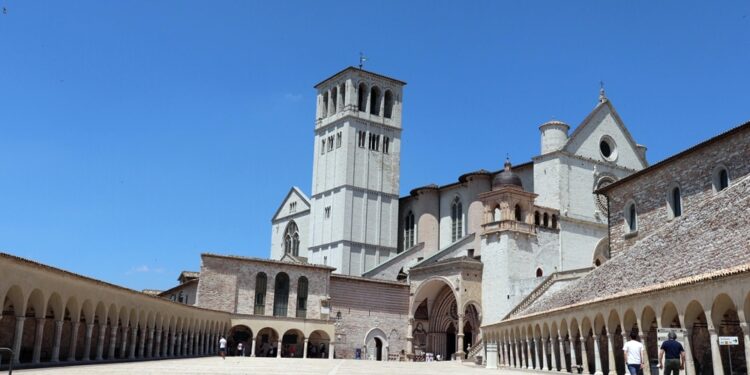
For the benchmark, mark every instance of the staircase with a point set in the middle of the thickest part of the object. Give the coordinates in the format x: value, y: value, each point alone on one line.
x: 477, y: 349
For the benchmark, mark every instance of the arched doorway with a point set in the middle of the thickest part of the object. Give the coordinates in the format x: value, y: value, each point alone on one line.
x: 376, y: 345
x: 292, y: 344
x: 378, y: 349
x: 240, y: 334
x: 468, y: 338
x: 317, y: 345
x: 266, y: 343
x: 450, y: 341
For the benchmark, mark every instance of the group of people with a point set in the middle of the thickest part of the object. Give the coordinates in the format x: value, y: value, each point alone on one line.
x: 267, y: 350
x: 671, y: 355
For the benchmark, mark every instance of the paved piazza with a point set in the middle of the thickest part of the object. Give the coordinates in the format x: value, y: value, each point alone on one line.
x: 215, y: 365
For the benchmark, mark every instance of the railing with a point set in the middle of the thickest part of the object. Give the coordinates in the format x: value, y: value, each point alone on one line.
x: 10, y: 363
x: 544, y: 285
x: 477, y: 348
x: 508, y: 225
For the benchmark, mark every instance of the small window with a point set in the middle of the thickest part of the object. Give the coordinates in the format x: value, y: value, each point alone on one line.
x: 328, y: 212
x: 343, y: 94
x: 720, y: 179
x: 409, y: 230
x: 322, y: 146
x: 388, y: 105
x: 545, y: 219
x: 361, y: 140
x: 497, y: 215
x: 631, y: 218
x: 293, y: 207
x: 375, y: 101
x: 537, y: 218
x: 554, y: 221
x: 539, y: 272
x: 338, y: 139
x: 374, y: 142
x: 607, y: 148
x: 457, y: 218
x: 330, y: 143
x: 334, y: 96
x: 675, y: 202
x: 386, y: 144
x: 325, y: 105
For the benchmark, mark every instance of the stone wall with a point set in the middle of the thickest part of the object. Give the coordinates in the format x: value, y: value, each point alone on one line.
x: 692, y: 171
x: 227, y: 283
x: 366, y: 306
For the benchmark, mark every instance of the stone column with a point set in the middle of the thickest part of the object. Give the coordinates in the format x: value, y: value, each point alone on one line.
x: 409, y: 338
x: 611, y: 349
x: 503, y: 356
x: 150, y: 346
x: 157, y: 346
x: 521, y: 354
x: 746, y: 333
x: 100, y: 342
x: 573, y: 362
x: 584, y: 356
x: 330, y: 351
x: 545, y: 365
x: 460, y: 338
x: 87, y: 342
x: 112, y: 342
x: 124, y: 347
x: 563, y: 361
x: 184, y: 337
x: 170, y: 343
x: 715, y: 352
x: 142, y: 343
x: 304, y: 348
x: 39, y: 335
x: 278, y: 349
x: 491, y: 355
x: 689, y: 363
x: 642, y: 336
x: 597, y: 357
x: 56, y: 343
x: 252, y: 349
x: 73, y: 340
x: 133, y: 341
x: 17, y: 338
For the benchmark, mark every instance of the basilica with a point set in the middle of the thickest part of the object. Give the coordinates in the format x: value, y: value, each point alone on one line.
x: 543, y: 264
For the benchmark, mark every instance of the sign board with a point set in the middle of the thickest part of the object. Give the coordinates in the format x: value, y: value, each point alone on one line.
x: 729, y: 340
x: 661, y: 335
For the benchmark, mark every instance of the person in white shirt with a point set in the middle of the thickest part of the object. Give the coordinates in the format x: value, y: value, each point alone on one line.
x: 223, y: 347
x: 633, y: 354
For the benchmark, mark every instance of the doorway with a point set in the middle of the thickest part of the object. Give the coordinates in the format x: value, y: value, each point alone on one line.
x: 450, y: 342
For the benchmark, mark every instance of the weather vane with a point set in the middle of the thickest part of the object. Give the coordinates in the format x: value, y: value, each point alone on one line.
x: 362, y: 60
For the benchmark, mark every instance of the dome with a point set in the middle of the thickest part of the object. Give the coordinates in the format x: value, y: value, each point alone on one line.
x: 507, y: 177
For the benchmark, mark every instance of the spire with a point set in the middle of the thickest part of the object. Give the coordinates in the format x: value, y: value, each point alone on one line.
x: 507, y: 164
x: 602, y: 96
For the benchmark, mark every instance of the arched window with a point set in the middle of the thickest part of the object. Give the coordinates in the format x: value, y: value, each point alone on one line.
x: 325, y: 105
x: 409, y: 235
x: 554, y: 221
x: 388, y: 106
x: 539, y: 272
x: 457, y: 218
x: 375, y: 101
x: 362, y: 97
x: 545, y: 221
x: 518, y: 213
x: 537, y: 218
x: 291, y: 239
x: 720, y: 179
x: 497, y: 214
x: 302, y: 297
x: 631, y: 218
x: 343, y: 94
x: 334, y: 100
x: 675, y: 202
x: 260, y: 294
x: 280, y: 294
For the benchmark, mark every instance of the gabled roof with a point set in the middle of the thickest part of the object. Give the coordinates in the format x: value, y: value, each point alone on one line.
x: 293, y: 190
x: 351, y: 68
x: 293, y: 259
x: 606, y: 103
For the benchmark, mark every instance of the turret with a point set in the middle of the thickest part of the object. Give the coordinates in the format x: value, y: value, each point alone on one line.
x: 554, y: 135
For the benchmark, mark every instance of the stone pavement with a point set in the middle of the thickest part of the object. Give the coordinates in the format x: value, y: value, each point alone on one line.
x: 273, y: 366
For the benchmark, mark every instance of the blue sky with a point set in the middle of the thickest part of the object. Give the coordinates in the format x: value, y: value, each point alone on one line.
x: 135, y: 135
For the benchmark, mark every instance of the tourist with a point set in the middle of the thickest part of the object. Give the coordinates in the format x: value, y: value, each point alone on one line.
x: 633, y: 354
x: 240, y: 350
x: 222, y: 347
x: 675, y: 354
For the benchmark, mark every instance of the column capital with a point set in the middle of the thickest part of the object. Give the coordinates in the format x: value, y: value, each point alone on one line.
x: 59, y: 323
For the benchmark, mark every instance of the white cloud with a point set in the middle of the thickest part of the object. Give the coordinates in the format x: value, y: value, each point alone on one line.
x: 292, y: 97
x: 145, y: 269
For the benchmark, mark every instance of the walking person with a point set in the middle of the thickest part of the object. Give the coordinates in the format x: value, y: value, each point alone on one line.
x: 223, y: 347
x: 675, y: 354
x: 634, y: 354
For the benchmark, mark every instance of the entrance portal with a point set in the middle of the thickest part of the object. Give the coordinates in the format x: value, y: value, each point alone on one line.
x: 450, y: 342
x: 378, y: 349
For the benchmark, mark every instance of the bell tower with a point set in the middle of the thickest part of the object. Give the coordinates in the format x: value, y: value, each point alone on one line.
x: 356, y: 166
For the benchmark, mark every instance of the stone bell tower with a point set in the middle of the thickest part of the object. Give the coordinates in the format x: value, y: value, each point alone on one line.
x: 355, y: 186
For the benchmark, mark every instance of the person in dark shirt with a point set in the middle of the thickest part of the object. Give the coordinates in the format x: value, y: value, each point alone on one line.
x: 675, y: 354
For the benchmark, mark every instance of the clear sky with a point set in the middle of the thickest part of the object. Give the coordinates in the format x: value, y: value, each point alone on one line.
x: 135, y: 135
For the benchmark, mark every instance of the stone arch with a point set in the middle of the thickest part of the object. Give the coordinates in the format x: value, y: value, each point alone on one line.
x: 726, y: 322
x: 375, y: 99
x: 614, y: 334
x: 14, y: 307
x: 239, y: 334
x: 430, y: 286
x: 362, y: 97
x: 37, y: 303
x: 317, y: 344
x: 601, y: 252
x: 266, y: 342
x: 700, y: 339
x: 670, y: 318
x: 388, y: 104
x: 374, y: 350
